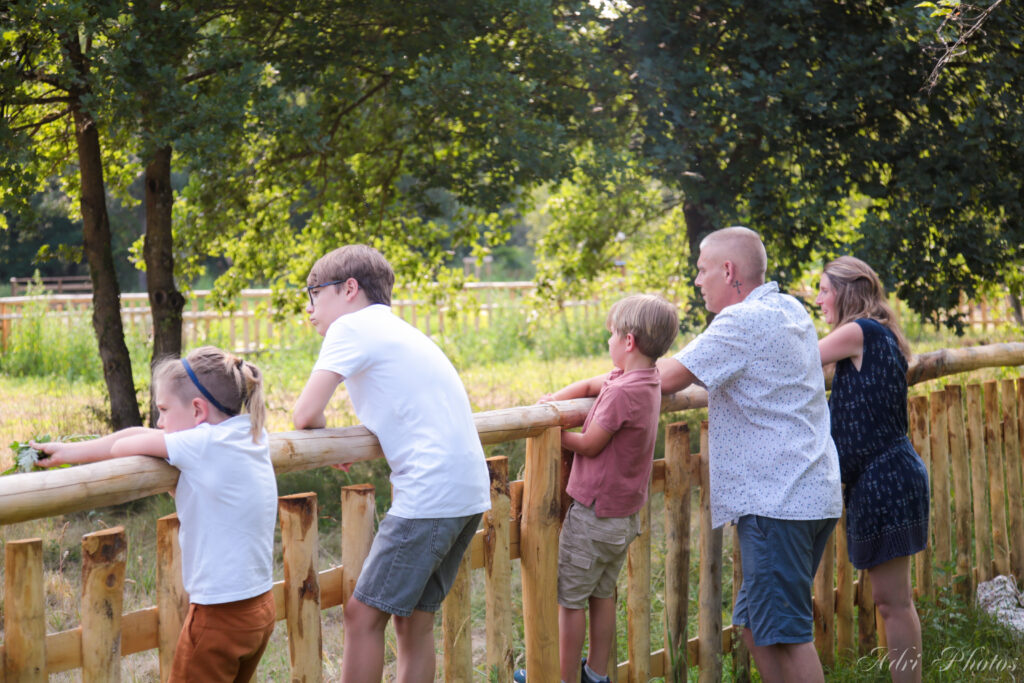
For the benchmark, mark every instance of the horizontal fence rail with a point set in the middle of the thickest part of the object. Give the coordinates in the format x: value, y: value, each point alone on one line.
x: 969, y: 438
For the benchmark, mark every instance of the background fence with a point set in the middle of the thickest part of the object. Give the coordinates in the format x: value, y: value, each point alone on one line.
x: 968, y: 436
x: 255, y: 324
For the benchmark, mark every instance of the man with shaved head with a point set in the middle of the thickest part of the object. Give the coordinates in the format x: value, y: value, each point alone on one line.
x: 774, y: 471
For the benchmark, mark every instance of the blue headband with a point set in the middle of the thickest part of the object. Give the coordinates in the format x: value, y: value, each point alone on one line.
x: 206, y: 394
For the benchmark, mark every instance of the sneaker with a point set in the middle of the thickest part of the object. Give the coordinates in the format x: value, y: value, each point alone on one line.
x: 587, y: 678
x: 519, y: 676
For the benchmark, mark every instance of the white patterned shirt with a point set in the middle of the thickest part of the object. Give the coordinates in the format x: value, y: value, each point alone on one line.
x: 770, y: 442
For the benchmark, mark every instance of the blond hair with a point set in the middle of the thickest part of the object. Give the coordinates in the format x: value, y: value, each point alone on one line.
x: 859, y: 294
x: 653, y: 322
x: 233, y: 382
x: 358, y: 261
x: 746, y: 250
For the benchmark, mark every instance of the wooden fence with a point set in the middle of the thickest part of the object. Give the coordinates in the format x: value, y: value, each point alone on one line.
x: 972, y: 448
x: 255, y: 325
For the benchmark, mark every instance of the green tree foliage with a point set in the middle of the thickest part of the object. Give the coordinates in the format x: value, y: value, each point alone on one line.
x: 411, y: 126
x: 811, y: 122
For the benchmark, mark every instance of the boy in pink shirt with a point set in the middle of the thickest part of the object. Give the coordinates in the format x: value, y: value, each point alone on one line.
x: 611, y: 470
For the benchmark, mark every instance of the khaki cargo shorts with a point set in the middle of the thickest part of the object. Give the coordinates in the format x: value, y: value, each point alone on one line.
x: 591, y: 551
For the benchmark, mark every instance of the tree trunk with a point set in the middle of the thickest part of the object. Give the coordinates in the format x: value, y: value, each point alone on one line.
x: 106, y: 297
x: 165, y: 301
x: 698, y: 226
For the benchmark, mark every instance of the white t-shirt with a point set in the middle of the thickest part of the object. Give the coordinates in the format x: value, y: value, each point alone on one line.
x: 227, y: 506
x: 405, y: 390
x: 770, y: 439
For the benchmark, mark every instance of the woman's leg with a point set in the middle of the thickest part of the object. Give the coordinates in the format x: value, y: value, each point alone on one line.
x: 894, y: 598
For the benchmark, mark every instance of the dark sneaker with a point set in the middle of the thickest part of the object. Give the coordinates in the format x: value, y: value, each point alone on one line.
x: 519, y: 676
x: 587, y: 678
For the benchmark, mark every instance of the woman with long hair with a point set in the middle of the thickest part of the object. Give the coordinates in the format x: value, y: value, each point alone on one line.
x: 885, y: 481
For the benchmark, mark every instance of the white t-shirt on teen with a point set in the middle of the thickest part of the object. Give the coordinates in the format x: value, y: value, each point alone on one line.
x: 227, y: 506
x: 406, y: 391
x: 769, y: 433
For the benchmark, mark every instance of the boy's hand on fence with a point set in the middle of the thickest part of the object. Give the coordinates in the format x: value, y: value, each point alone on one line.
x: 546, y: 398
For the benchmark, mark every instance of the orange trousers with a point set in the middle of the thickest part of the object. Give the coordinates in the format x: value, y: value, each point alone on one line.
x: 223, y: 642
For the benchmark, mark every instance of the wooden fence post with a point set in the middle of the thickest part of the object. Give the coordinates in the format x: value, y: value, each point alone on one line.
x: 171, y: 598
x: 919, y: 438
x: 538, y: 539
x: 740, y: 654
x: 866, y: 635
x: 638, y: 600
x: 709, y: 606
x: 979, y: 482
x: 103, y: 558
x: 961, y: 489
x: 24, y: 612
x: 498, y: 567
x: 845, y: 639
x: 996, y: 479
x: 825, y: 604
x: 455, y: 627
x: 299, y: 550
x: 1014, y: 493
x: 678, y: 484
x: 940, y: 485
x: 358, y: 505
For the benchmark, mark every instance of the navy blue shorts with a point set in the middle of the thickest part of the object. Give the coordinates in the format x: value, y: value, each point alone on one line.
x: 413, y: 563
x: 780, y: 557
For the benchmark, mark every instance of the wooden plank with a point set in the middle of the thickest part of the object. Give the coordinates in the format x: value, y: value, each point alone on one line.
x: 539, y: 564
x: 455, y: 627
x: 845, y: 595
x: 678, y: 486
x: 709, y: 605
x: 740, y: 654
x: 1014, y: 486
x: 866, y: 633
x: 941, y: 502
x: 300, y: 549
x: 979, y: 483
x: 638, y: 601
x: 358, y: 504
x: 825, y: 605
x: 171, y: 598
x: 996, y: 479
x: 103, y: 567
x: 918, y: 413
x: 961, y: 488
x: 24, y: 612
x: 497, y: 563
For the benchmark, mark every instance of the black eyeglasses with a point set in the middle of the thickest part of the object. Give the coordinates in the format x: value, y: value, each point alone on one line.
x: 310, y: 288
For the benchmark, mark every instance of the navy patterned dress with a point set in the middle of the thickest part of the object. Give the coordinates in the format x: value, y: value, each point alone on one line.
x: 886, y: 484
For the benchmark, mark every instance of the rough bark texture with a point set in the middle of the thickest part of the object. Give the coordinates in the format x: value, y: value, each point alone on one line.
x: 106, y: 315
x: 165, y: 301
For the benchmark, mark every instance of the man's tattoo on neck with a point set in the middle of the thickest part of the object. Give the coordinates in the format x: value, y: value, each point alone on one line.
x: 737, y: 284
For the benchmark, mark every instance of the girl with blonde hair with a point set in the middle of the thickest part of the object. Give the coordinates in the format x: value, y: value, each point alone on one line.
x: 210, y: 427
x: 885, y: 483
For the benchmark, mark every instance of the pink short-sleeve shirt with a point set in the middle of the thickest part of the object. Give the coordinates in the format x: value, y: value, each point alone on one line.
x: 615, y: 482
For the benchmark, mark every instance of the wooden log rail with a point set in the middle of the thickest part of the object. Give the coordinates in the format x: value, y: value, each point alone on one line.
x: 523, y: 524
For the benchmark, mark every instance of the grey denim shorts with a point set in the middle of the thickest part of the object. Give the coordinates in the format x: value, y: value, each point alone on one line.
x: 413, y: 563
